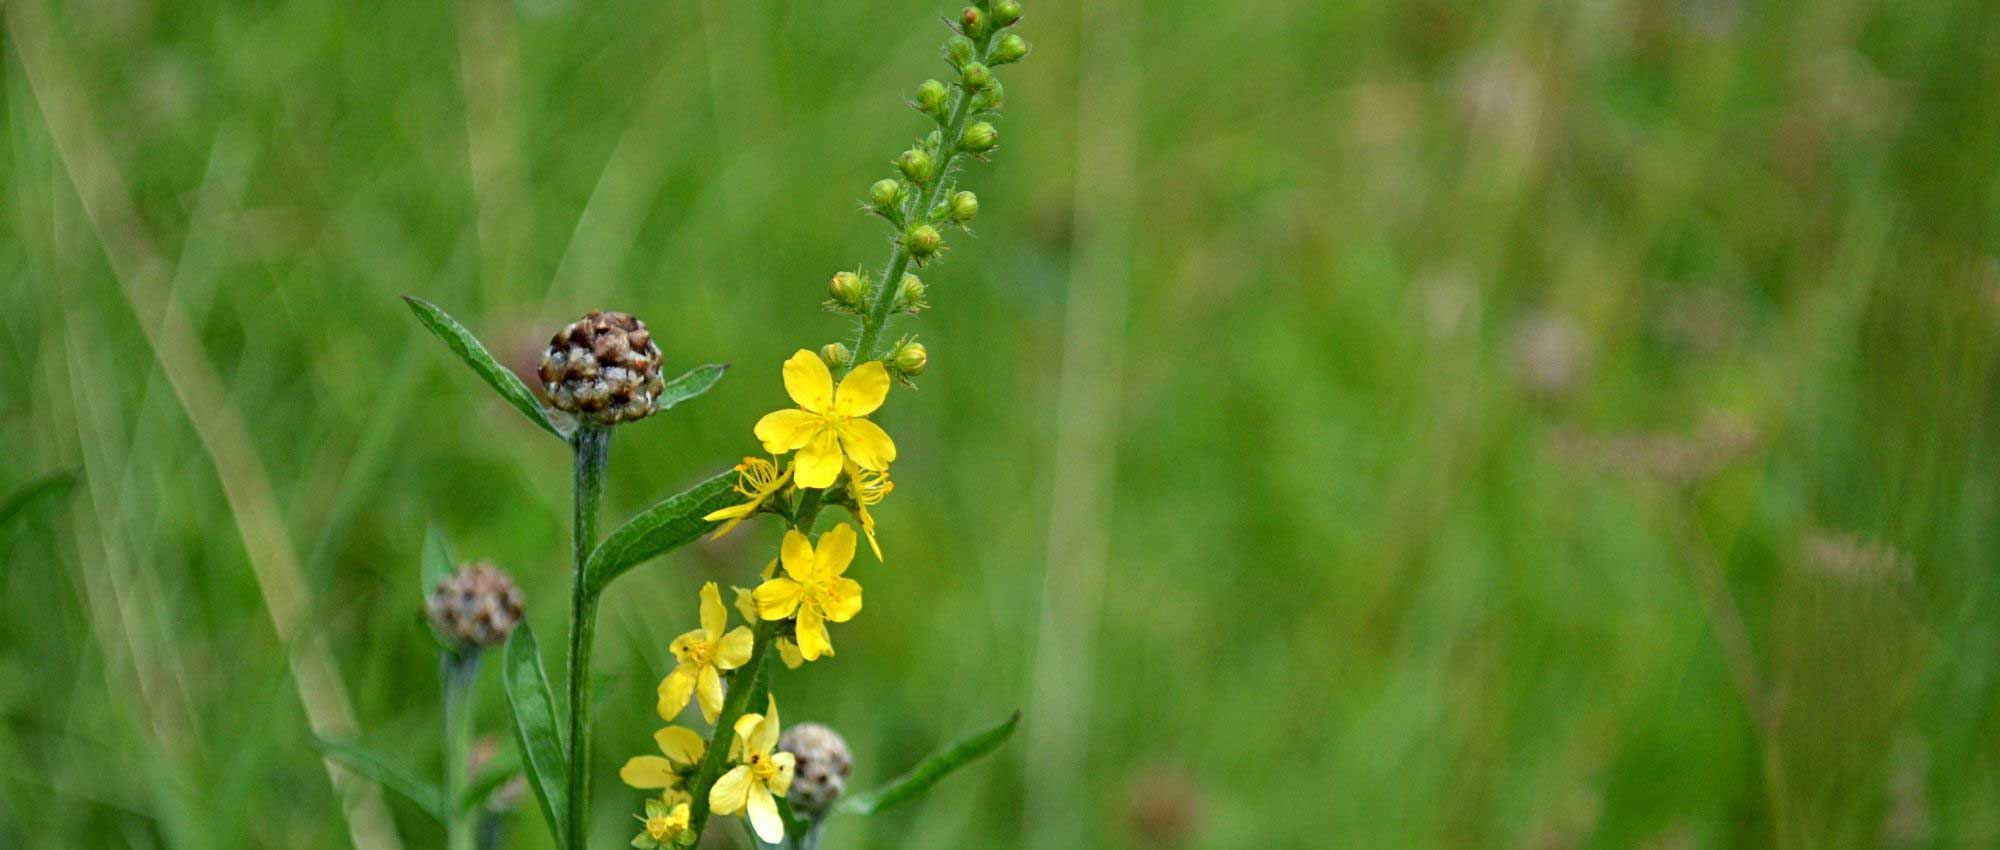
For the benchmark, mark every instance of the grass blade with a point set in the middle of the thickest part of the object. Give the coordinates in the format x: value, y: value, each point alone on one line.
x: 543, y: 751
x: 373, y: 765
x: 468, y: 349
x: 661, y: 528
x: 437, y: 563
x: 927, y: 773
x: 698, y: 380
x: 52, y: 486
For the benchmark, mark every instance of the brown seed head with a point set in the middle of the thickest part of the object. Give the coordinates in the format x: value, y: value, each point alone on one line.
x: 824, y: 763
x: 477, y: 606
x: 604, y: 366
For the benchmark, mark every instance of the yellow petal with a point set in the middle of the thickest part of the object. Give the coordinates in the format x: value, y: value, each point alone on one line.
x: 797, y: 553
x: 813, y: 641
x: 764, y: 818
x: 746, y: 727
x: 786, y: 763
x: 843, y: 600
x: 778, y: 598
x: 868, y: 528
x: 714, y: 617
x: 680, y: 744
x: 746, y: 604
x: 709, y: 692
x: 788, y: 652
x: 765, y: 738
x: 675, y: 690
x: 734, y: 514
x: 835, y: 552
x: 648, y: 773
x: 818, y: 461
x: 785, y: 430
x: 733, y: 650
x: 771, y: 568
x: 868, y: 444
x: 863, y: 390
x: 730, y: 792
x: 808, y: 382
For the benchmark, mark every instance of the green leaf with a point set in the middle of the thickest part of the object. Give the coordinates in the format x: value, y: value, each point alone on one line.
x: 543, y: 751
x: 698, y: 380
x: 53, y: 486
x: 930, y: 770
x: 373, y: 765
x: 661, y: 528
x: 437, y: 562
x: 468, y: 349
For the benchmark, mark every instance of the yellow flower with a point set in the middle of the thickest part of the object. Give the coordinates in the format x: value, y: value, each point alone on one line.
x: 680, y: 750
x: 703, y: 653
x: 864, y: 488
x: 758, y: 479
x: 746, y: 603
x: 813, y: 587
x: 829, y: 422
x: 663, y: 824
x: 759, y: 774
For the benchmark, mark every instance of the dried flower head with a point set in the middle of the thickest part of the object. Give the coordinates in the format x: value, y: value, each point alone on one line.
x: 823, y: 766
x: 477, y: 606
x: 604, y: 366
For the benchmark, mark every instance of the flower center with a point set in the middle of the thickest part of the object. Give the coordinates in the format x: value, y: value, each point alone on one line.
x: 762, y: 767
x: 659, y: 827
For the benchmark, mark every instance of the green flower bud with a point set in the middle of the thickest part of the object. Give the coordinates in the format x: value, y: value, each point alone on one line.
x: 959, y: 50
x: 915, y: 164
x: 884, y: 194
x: 848, y: 289
x: 1010, y: 49
x: 910, y: 294
x: 835, y: 354
x: 980, y: 137
x: 931, y: 97
x: 964, y: 206
x: 1006, y: 12
x: 975, y: 76
x: 922, y: 241
x: 989, y: 98
x: 973, y: 22
x: 912, y: 358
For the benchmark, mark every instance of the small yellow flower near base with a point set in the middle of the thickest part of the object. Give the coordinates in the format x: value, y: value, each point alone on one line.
x: 759, y: 777
x: 759, y: 480
x: 865, y: 488
x: 830, y: 422
x: 813, y: 587
x: 663, y: 824
x: 680, y: 751
x: 703, y: 653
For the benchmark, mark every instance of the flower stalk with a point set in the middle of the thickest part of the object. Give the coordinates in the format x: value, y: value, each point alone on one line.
x: 593, y: 451
x: 460, y: 668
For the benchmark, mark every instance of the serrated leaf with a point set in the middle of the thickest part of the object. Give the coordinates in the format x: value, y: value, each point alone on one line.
x: 17, y: 503
x: 927, y: 772
x: 469, y: 349
x: 536, y: 729
x: 373, y: 765
x: 698, y: 380
x: 661, y: 528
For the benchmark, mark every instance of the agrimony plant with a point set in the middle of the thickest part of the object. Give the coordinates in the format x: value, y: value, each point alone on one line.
x: 604, y: 371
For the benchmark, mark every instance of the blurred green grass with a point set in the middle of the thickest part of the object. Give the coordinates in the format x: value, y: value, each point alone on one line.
x: 1532, y: 425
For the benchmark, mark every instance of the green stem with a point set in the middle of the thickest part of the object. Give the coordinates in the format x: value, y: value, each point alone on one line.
x: 593, y: 449
x: 459, y: 671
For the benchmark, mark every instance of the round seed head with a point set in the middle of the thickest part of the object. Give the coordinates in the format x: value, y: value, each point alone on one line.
x: 824, y: 764
x: 477, y: 606
x: 604, y: 366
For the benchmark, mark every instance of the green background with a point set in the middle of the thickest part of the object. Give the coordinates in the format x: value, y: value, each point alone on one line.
x: 1353, y: 424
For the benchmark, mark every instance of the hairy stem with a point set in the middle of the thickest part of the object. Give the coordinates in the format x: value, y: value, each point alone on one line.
x: 459, y: 671
x: 593, y: 449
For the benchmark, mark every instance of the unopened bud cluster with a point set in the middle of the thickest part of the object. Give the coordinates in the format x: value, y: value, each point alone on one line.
x: 477, y: 606
x: 604, y: 367
x: 823, y: 764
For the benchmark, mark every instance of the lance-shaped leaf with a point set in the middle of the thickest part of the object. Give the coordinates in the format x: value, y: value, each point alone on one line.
x: 373, y: 765
x: 661, y: 528
x: 543, y: 751
x: 468, y: 349
x: 930, y: 770
x: 698, y: 380
x: 47, y: 487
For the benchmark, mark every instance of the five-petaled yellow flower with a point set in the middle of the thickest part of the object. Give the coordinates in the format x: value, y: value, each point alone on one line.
x: 829, y: 422
x: 759, y: 480
x: 703, y: 653
x: 813, y: 586
x: 746, y: 604
x: 680, y: 751
x: 864, y: 488
x: 663, y: 824
x: 758, y: 775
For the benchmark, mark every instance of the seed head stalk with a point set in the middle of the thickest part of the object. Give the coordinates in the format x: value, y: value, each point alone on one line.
x: 460, y: 668
x: 593, y: 450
